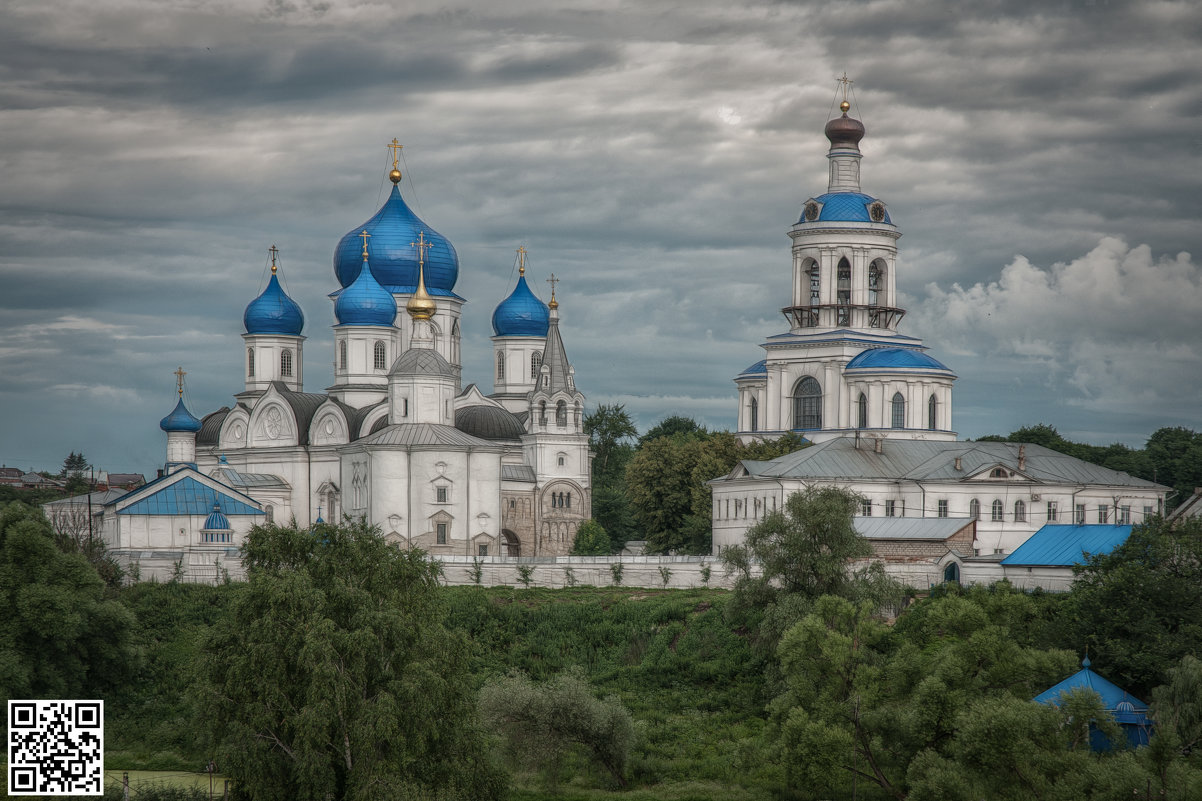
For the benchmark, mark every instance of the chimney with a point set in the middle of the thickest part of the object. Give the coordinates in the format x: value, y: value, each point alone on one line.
x: 878, y: 446
x: 1022, y: 457
x: 959, y: 465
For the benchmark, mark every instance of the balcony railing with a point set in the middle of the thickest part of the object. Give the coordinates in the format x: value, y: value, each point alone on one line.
x: 835, y: 314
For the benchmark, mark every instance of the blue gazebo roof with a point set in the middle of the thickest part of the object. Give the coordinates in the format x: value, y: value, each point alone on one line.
x: 1130, y: 712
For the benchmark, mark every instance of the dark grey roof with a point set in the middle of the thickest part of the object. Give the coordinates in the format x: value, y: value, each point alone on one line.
x: 418, y: 434
x: 488, y: 422
x: 910, y: 528
x: 518, y: 472
x: 304, y: 405
x: 210, y: 427
x: 555, y: 357
x: 98, y: 499
x: 924, y: 460
x: 422, y: 361
x: 355, y: 421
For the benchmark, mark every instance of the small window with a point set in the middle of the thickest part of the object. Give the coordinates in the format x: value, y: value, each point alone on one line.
x: 561, y: 414
x: 1148, y: 512
x: 866, y: 508
x: 440, y: 533
x: 404, y: 407
x: 500, y: 366
x: 534, y: 360
x: 942, y: 507
x: 1020, y: 512
x: 379, y: 355
x: 1103, y: 513
x: 561, y: 461
x: 862, y: 411
x: 482, y: 550
x: 342, y: 354
x: 1052, y: 511
x: 974, y: 509
x: 899, y: 410
x: 1079, y: 514
x: 542, y: 413
x: 440, y: 494
x: 998, y: 512
x: 932, y: 408
x: 998, y: 472
x: 755, y: 414
x: 250, y: 362
x: 286, y: 363
x: 568, y: 500
x: 890, y: 508
x: 1124, y: 516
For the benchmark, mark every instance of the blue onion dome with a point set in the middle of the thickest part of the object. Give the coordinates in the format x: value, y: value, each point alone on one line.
x: 180, y: 419
x: 216, y: 521
x: 394, y: 259
x: 894, y: 359
x: 365, y: 302
x: 274, y: 312
x: 521, y: 314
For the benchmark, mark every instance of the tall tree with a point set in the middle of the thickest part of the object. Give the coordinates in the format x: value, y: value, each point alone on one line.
x: 671, y: 426
x: 74, y: 468
x: 610, y: 431
x: 334, y: 676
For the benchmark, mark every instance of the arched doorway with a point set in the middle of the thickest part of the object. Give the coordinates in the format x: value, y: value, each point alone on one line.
x: 511, y: 543
x: 951, y: 572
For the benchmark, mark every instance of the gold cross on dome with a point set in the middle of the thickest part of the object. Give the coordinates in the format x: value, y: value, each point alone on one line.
x: 847, y: 82
x: 364, y: 236
x: 395, y: 147
x: 521, y: 260
x: 552, y: 281
x: 179, y: 380
x: 274, y: 251
x: 422, y: 246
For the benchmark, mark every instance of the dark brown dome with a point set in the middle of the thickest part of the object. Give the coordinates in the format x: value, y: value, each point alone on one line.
x: 845, y: 131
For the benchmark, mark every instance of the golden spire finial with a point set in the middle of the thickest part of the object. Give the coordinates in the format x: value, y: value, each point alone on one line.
x: 395, y: 147
x: 274, y: 252
x: 554, y: 304
x: 179, y: 380
x: 364, y: 236
x: 846, y: 84
x: 421, y: 306
x: 521, y: 260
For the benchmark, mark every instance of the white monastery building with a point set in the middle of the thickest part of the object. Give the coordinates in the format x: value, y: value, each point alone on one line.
x: 396, y: 438
x: 878, y: 407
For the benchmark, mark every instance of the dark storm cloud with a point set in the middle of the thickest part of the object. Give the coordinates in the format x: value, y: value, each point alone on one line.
x: 650, y: 155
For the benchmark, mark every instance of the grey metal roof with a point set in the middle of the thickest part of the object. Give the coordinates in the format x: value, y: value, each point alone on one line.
x: 518, y: 472
x: 488, y: 422
x: 210, y: 427
x: 418, y: 434
x: 98, y: 499
x: 924, y: 460
x: 555, y: 357
x: 422, y: 361
x: 910, y: 528
x: 355, y: 420
x: 234, y: 478
x: 304, y: 405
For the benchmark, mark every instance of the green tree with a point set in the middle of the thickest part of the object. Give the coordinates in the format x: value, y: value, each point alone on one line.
x: 610, y: 431
x: 672, y: 426
x: 1177, y: 707
x: 1175, y: 460
x: 59, y: 637
x: 611, y: 510
x: 591, y: 540
x: 540, y: 722
x: 334, y: 675
x: 74, y: 468
x: 660, y: 484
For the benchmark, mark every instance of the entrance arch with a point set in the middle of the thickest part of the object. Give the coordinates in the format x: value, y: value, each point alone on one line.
x: 511, y: 543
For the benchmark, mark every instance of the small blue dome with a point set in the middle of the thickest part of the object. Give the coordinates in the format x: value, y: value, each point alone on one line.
x: 216, y: 521
x: 394, y: 259
x: 845, y: 207
x: 521, y: 314
x: 365, y: 302
x: 894, y: 358
x: 274, y: 312
x: 180, y: 419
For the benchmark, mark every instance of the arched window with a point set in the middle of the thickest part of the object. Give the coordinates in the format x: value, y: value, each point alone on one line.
x: 807, y: 404
x: 561, y: 414
x: 500, y: 366
x: 951, y: 572
x: 932, y: 408
x: 862, y: 411
x: 455, y: 337
x: 269, y: 513
x: 286, y: 362
x: 874, y: 283
x: 899, y: 410
x: 755, y: 415
x: 974, y: 509
x: 379, y: 355
x: 843, y: 291
x: 815, y: 283
x: 998, y: 512
x: 250, y: 362
x: 542, y: 413
x: 342, y: 354
x: 1020, y: 512
x: 534, y: 360
x: 568, y: 500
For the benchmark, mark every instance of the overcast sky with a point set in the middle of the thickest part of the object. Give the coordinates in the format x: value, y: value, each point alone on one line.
x: 1043, y: 161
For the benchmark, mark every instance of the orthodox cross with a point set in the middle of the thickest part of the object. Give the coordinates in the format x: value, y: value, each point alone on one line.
x: 274, y: 251
x: 395, y: 147
x: 521, y: 260
x: 552, y: 281
x: 364, y: 236
x: 847, y: 82
x: 422, y: 246
x: 179, y: 380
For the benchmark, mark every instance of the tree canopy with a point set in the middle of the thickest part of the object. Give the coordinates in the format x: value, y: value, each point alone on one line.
x: 334, y: 675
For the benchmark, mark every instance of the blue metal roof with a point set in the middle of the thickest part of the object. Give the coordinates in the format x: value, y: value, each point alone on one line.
x: 394, y: 259
x: 759, y: 368
x: 1130, y: 712
x: 180, y: 419
x: 187, y: 496
x: 521, y: 314
x: 273, y: 312
x: 365, y: 302
x: 1064, y: 546
x: 845, y: 207
x: 216, y: 521
x: 894, y: 358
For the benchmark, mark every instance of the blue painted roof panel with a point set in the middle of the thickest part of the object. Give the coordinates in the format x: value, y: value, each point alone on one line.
x: 273, y: 312
x: 365, y: 302
x: 1112, y: 695
x: 180, y: 419
x: 187, y: 497
x: 894, y: 358
x: 1064, y: 546
x: 845, y: 207
x: 759, y: 368
x: 521, y: 314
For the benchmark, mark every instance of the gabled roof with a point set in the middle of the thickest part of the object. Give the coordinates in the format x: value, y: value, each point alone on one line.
x: 1112, y: 695
x: 426, y: 434
x: 303, y: 404
x: 1064, y: 546
x: 231, y: 477
x: 98, y: 499
x: 184, y: 492
x: 910, y: 528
